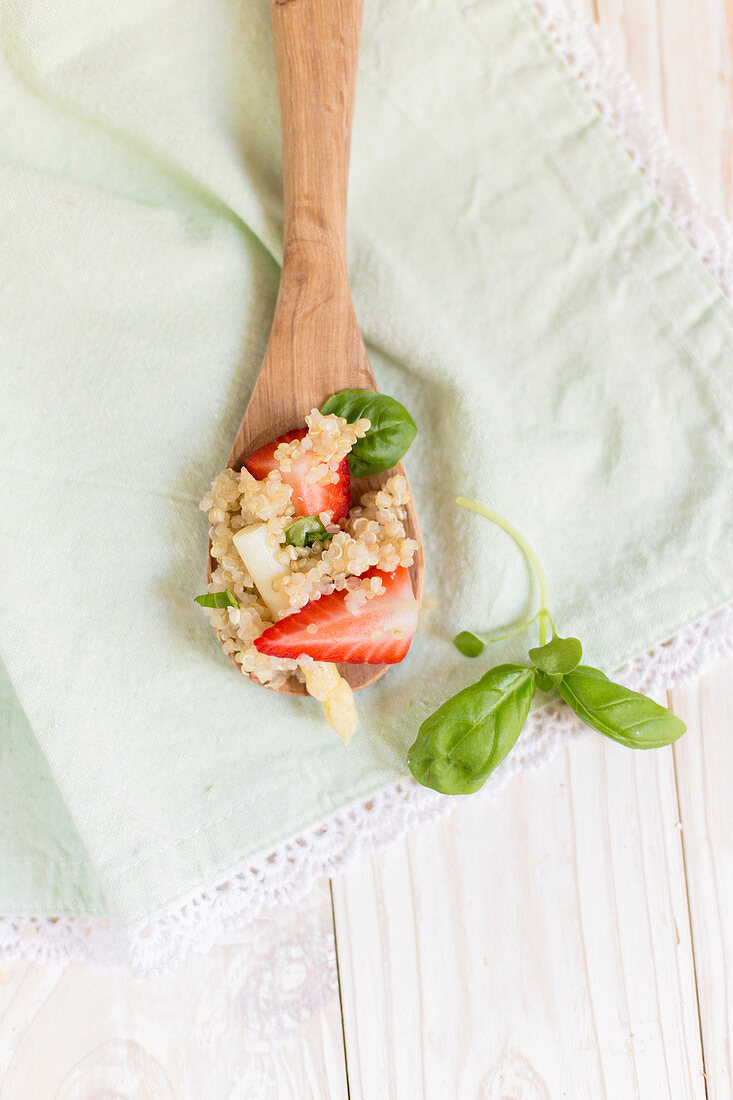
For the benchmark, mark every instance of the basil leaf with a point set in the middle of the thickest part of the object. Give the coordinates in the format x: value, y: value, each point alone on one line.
x: 389, y: 437
x: 466, y: 738
x: 468, y: 643
x: 217, y: 599
x: 545, y: 682
x: 624, y: 716
x: 306, y: 531
x: 558, y: 657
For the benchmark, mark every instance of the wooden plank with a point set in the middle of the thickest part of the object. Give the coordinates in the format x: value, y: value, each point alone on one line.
x: 631, y: 29
x: 696, y: 63
x: 704, y: 770
x: 257, y: 1017
x: 539, y: 938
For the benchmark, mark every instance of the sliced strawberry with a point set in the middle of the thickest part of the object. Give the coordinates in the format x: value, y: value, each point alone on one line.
x: 309, y: 498
x: 261, y: 461
x: 379, y: 632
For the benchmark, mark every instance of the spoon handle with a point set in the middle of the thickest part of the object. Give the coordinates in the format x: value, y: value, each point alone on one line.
x: 316, y: 52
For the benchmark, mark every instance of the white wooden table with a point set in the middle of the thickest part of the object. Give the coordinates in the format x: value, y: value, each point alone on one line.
x: 571, y: 937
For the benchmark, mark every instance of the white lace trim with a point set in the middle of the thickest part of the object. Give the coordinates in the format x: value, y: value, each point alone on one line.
x: 239, y: 895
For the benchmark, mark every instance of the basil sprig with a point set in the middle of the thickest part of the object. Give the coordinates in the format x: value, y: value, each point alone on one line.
x: 465, y: 739
x: 389, y: 437
x: 306, y: 531
x: 217, y: 599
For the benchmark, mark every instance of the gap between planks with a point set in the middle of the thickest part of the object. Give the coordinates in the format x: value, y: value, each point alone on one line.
x: 670, y: 704
x: 338, y: 983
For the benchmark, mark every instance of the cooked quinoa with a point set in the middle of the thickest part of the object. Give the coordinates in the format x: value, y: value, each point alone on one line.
x: 373, y: 534
x: 329, y: 440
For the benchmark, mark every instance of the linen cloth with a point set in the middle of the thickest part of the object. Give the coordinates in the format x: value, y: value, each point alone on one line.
x: 564, y: 354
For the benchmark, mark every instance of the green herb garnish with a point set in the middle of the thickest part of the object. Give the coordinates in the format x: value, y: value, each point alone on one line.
x: 390, y: 436
x: 458, y: 746
x: 306, y: 531
x: 557, y: 657
x: 623, y: 715
x: 465, y: 739
x: 469, y: 644
x: 217, y: 599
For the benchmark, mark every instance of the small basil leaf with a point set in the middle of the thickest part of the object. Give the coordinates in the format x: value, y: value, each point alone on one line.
x: 558, y: 657
x: 625, y: 716
x: 466, y: 738
x: 306, y: 531
x: 389, y: 437
x: 468, y: 643
x: 545, y: 682
x: 217, y: 599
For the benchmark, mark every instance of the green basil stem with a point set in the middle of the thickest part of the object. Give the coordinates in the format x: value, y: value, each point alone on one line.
x: 531, y: 558
x: 513, y: 628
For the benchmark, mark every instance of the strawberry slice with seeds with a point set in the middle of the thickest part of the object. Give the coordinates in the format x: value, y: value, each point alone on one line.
x: 377, y: 632
x: 310, y: 498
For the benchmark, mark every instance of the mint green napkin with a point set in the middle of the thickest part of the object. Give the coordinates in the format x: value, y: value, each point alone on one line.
x: 562, y: 350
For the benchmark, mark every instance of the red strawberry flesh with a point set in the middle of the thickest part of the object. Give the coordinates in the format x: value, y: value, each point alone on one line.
x: 376, y: 633
x: 309, y: 498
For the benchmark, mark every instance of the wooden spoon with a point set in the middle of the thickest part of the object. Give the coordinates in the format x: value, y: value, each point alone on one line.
x: 315, y: 347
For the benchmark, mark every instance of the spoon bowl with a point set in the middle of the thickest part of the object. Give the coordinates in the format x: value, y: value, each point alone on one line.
x: 315, y: 347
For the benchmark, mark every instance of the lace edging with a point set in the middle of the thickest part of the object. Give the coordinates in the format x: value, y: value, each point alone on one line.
x: 284, y: 875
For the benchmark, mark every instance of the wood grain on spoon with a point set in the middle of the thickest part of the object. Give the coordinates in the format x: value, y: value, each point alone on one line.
x: 315, y: 346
